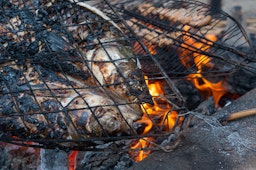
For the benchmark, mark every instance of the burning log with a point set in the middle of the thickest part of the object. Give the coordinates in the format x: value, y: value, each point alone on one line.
x: 238, y: 115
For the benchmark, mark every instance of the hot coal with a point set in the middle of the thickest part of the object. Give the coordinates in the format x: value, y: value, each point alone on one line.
x: 104, y: 160
x: 167, y: 56
x: 190, y: 94
x: 18, y: 157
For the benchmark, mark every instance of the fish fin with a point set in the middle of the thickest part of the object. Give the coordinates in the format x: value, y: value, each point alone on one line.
x: 96, y: 11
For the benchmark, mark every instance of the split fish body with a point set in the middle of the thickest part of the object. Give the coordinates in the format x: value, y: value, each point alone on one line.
x: 53, y: 109
x: 65, y: 73
x: 71, y: 38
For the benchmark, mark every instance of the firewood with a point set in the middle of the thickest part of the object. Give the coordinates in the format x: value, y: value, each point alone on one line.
x: 238, y: 115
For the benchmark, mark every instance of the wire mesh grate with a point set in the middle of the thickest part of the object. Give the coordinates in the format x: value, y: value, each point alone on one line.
x: 186, y: 38
x: 72, y: 78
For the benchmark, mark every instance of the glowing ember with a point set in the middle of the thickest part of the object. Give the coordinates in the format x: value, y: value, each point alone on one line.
x: 142, y: 154
x: 206, y: 87
x: 159, y: 115
x: 72, y: 160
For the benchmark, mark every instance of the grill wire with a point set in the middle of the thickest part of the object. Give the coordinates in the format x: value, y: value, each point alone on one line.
x: 71, y: 78
x: 174, y: 28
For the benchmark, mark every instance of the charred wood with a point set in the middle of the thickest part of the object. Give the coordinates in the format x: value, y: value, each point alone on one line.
x: 190, y: 94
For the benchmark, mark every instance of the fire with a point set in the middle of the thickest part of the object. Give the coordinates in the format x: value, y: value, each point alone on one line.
x: 142, y: 154
x: 206, y: 87
x: 154, y: 115
x: 72, y: 160
x: 160, y: 114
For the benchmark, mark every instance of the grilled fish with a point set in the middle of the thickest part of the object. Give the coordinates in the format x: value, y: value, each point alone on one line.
x: 111, y: 61
x: 193, y: 17
x: 66, y: 73
x: 88, y: 42
x: 55, y: 108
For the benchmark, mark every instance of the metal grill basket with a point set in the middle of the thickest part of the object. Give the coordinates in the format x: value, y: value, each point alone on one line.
x: 186, y: 38
x: 70, y: 77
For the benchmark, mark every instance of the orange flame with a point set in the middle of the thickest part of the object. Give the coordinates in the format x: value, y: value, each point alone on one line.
x: 159, y: 113
x: 142, y: 154
x: 206, y: 87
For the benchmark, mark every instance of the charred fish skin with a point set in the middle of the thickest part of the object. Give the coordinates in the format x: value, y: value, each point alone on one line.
x: 119, y: 74
x: 29, y: 117
x: 34, y: 36
x: 26, y: 114
x: 112, y: 65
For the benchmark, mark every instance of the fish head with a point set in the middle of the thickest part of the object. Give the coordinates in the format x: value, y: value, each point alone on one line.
x: 125, y: 72
x: 104, y: 121
x: 136, y: 89
x: 109, y: 121
x: 116, y: 67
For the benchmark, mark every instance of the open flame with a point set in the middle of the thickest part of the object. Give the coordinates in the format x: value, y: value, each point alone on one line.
x: 159, y: 115
x: 206, y: 87
x: 189, y: 57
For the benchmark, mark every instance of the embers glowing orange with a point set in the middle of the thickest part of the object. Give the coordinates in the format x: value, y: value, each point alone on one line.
x: 158, y: 115
x: 190, y: 56
x: 72, y: 160
x: 141, y: 144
